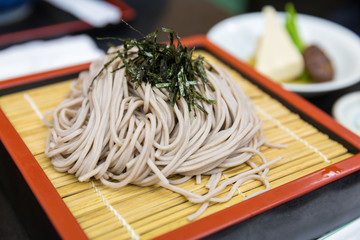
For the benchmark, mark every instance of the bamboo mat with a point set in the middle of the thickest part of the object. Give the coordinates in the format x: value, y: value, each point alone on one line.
x: 147, y: 212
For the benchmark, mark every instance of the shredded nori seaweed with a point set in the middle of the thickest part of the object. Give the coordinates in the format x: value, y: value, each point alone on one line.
x: 169, y: 66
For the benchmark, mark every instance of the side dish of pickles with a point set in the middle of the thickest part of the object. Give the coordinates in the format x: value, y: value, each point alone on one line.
x: 282, y: 56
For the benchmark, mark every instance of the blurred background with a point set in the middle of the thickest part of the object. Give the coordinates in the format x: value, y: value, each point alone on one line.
x: 25, y: 21
x: 188, y: 17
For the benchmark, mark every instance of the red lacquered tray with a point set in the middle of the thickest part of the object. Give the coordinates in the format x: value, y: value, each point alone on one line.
x: 66, y: 224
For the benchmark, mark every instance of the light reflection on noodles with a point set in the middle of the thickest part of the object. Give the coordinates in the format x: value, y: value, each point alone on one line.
x: 122, y: 135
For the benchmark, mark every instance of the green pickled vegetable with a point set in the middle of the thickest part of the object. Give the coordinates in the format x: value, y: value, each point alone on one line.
x: 290, y: 25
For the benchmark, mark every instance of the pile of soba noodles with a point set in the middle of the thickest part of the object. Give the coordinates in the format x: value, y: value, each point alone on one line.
x: 123, y: 132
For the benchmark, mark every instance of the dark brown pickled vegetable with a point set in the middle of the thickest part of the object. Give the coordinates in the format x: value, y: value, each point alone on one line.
x: 317, y: 64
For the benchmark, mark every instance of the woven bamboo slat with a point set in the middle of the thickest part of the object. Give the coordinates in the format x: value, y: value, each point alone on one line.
x: 152, y: 211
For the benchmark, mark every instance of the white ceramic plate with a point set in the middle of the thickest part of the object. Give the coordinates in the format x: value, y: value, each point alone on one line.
x: 239, y: 34
x: 346, y: 111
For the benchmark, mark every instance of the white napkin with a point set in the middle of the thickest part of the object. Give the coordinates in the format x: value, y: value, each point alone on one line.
x: 95, y: 12
x: 350, y: 231
x: 39, y: 56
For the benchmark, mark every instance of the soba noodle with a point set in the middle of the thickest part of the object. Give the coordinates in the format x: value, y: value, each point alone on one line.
x: 123, y: 135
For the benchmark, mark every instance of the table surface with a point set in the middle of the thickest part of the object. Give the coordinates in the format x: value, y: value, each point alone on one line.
x: 197, y: 17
